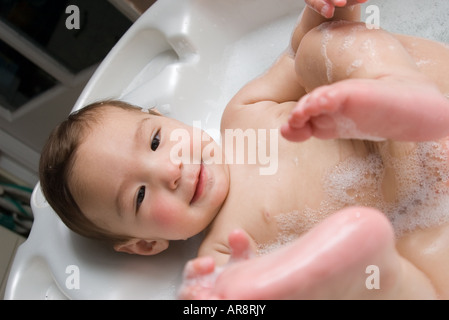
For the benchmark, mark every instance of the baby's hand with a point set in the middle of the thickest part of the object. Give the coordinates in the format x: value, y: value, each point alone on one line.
x: 200, y: 274
x: 327, y: 7
x: 198, y: 279
x: 240, y: 246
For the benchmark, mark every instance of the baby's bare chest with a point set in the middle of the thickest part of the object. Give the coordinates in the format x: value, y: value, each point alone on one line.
x: 286, y: 202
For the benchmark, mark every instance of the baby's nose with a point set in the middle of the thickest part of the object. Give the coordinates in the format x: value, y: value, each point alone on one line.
x: 171, y: 174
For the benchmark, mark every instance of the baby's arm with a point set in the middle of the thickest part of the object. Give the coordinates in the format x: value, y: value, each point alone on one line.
x: 280, y: 83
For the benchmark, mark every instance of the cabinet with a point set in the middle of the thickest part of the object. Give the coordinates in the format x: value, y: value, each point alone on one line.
x: 10, y: 242
x: 45, y: 61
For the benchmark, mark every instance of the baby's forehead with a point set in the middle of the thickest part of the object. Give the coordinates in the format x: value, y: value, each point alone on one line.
x: 109, y: 119
x: 109, y: 114
x: 114, y: 111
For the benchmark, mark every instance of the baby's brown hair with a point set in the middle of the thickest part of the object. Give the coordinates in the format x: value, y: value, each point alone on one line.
x: 57, y: 161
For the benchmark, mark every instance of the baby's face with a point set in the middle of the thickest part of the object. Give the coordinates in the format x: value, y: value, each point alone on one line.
x: 130, y: 179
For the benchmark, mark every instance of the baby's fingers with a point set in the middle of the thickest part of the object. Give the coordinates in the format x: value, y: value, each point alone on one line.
x: 199, y: 267
x: 325, y: 7
x: 240, y: 246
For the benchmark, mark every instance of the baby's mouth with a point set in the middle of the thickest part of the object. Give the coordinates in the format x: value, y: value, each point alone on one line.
x: 199, y: 184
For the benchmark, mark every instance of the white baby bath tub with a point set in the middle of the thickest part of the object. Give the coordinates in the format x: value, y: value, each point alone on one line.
x: 188, y: 58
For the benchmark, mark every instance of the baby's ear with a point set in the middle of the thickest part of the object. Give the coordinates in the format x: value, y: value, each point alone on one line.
x: 155, y: 110
x: 142, y: 247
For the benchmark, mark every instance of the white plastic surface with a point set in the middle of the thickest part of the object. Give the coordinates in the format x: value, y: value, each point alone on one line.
x: 187, y: 57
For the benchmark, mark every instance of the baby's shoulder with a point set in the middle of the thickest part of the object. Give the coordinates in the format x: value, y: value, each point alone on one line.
x: 215, y: 245
x: 257, y: 115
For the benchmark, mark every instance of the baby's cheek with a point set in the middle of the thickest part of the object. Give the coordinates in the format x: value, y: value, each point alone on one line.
x: 165, y: 215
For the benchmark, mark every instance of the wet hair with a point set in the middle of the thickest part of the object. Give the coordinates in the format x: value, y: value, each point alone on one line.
x: 57, y: 161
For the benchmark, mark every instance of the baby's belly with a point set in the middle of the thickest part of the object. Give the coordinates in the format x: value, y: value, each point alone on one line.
x: 411, y: 189
x: 411, y: 186
x: 421, y: 188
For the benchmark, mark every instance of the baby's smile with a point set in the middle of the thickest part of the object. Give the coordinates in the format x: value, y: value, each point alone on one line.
x: 199, y: 184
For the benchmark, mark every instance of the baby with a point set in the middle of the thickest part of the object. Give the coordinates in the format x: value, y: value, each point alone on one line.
x: 350, y: 95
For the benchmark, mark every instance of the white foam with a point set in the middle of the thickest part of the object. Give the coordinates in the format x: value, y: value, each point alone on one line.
x: 422, y: 186
x: 423, y: 62
x: 351, y: 37
x: 291, y: 225
x: 347, y: 128
x: 370, y: 49
x: 355, y: 65
x: 327, y: 36
x: 423, y: 189
x: 348, y: 41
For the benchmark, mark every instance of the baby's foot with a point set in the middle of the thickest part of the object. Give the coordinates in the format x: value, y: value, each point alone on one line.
x: 327, y: 7
x: 329, y: 262
x: 400, y: 108
x: 350, y: 255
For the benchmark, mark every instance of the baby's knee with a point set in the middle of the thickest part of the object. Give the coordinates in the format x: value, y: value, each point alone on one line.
x: 320, y: 54
x: 340, y: 50
x: 309, y: 61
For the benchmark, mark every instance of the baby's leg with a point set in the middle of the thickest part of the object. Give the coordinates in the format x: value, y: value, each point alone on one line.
x: 364, y: 84
x: 319, y: 11
x: 350, y: 255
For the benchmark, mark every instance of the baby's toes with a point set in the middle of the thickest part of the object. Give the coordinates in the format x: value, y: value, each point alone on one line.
x: 322, y: 100
x: 298, y: 116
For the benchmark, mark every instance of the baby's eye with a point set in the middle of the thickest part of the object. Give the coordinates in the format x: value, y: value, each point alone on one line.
x: 140, y: 196
x: 155, y: 141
